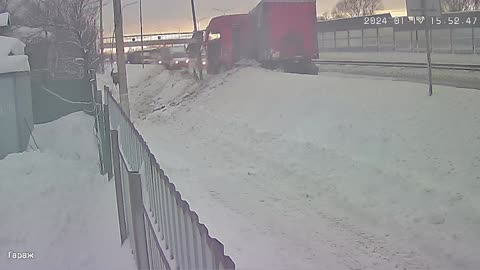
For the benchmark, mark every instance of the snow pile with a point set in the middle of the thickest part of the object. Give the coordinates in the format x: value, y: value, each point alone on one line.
x: 54, y: 203
x: 152, y: 89
x: 437, y: 58
x: 136, y: 75
x: 456, y: 78
x: 11, y: 46
x: 12, y: 58
x: 329, y: 171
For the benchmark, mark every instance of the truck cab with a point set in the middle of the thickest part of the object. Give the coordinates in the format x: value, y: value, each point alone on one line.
x: 227, y: 41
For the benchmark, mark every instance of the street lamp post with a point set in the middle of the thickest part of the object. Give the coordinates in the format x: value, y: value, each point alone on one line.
x: 194, y: 16
x: 141, y: 34
x: 141, y: 28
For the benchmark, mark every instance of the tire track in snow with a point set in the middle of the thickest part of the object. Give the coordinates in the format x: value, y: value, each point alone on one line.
x: 354, y: 248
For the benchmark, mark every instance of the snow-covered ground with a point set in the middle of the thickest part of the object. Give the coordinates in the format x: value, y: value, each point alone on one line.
x: 438, y: 58
x: 321, y: 172
x: 54, y: 203
x: 456, y: 78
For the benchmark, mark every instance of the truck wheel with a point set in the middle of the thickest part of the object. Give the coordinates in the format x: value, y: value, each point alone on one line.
x: 313, y: 69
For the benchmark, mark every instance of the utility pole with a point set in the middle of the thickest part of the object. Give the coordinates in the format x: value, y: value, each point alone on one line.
x: 102, y: 59
x: 429, y: 47
x: 141, y: 33
x: 427, y: 9
x: 120, y: 49
x: 198, y: 40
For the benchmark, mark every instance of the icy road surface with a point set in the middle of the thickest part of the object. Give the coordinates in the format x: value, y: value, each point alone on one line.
x: 321, y: 172
x: 54, y: 203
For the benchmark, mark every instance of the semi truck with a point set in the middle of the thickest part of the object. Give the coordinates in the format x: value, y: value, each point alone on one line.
x: 276, y: 33
x: 228, y: 39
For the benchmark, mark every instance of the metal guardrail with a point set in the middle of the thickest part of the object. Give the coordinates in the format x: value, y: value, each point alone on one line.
x: 164, y: 232
x: 398, y: 64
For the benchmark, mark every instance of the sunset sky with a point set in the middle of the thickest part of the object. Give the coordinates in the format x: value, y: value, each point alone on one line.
x: 175, y: 15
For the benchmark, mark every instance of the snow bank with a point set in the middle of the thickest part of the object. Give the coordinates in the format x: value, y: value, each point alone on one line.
x: 437, y: 58
x: 136, y: 75
x: 455, y: 78
x: 151, y: 89
x: 322, y: 172
x: 54, y: 203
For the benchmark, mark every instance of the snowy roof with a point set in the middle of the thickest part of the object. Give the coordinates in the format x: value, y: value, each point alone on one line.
x: 4, y: 19
x: 12, y: 58
x: 11, y: 46
x: 15, y: 63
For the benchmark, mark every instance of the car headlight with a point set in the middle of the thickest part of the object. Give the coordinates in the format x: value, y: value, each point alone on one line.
x: 160, y: 62
x: 176, y: 62
x: 204, y: 63
x: 188, y: 61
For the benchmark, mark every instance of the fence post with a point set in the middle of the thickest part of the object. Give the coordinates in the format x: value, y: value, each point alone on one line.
x: 474, y: 46
x: 451, y: 40
x: 411, y: 41
x: 363, y: 38
x: 348, y: 38
x: 108, y: 154
x: 138, y: 220
x: 118, y: 186
x: 103, y: 135
x: 378, y: 39
x: 335, y: 40
x: 394, y: 40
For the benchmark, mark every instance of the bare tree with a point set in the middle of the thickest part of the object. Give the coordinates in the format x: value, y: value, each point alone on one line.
x: 331, y: 16
x: 460, y: 5
x: 325, y: 16
x: 13, y: 7
x: 336, y: 14
x: 355, y: 8
x: 73, y: 22
x: 4, y: 6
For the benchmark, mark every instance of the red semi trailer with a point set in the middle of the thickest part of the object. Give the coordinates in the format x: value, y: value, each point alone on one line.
x: 277, y: 33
